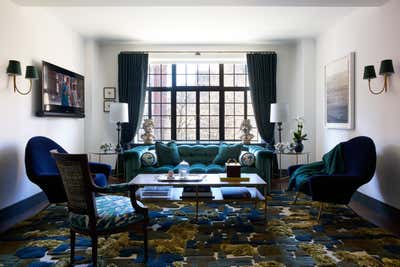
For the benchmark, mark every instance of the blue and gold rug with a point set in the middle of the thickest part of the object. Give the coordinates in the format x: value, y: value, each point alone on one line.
x: 225, y: 235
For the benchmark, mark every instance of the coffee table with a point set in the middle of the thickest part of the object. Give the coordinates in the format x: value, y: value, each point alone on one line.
x: 212, y: 180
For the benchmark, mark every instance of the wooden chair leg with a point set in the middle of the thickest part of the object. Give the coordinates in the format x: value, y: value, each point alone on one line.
x: 145, y: 242
x: 94, y: 250
x: 72, y: 245
x: 321, y: 205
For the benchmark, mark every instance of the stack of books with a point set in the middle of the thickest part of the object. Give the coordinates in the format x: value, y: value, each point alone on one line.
x: 203, y: 191
x: 163, y: 192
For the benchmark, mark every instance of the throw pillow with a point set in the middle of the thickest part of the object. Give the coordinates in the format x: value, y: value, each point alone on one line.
x: 167, y: 154
x: 226, y: 152
x: 247, y: 159
x: 149, y: 158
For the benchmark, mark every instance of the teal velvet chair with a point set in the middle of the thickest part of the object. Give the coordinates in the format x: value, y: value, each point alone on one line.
x: 200, y: 158
x: 90, y: 211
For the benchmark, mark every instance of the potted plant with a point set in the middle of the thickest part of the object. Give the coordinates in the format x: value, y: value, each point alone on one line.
x: 299, y: 136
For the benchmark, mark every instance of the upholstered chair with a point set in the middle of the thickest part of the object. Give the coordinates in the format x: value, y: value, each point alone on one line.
x: 42, y: 170
x: 93, y: 214
x: 359, y: 155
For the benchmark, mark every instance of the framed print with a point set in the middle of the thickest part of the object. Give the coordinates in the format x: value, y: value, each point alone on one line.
x: 106, y: 105
x: 109, y: 92
x: 339, y: 93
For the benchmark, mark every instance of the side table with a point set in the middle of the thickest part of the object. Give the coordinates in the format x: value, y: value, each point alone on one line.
x: 100, y: 155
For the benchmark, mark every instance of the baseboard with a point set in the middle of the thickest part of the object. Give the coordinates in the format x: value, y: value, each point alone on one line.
x: 377, y: 212
x: 22, y: 210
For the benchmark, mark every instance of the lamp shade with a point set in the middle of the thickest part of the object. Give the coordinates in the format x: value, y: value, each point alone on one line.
x: 119, y: 112
x: 14, y: 67
x: 279, y: 112
x: 369, y: 72
x: 31, y: 73
x: 386, y: 67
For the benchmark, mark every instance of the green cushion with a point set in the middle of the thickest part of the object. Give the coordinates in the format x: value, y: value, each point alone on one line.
x: 226, y: 152
x: 113, y: 212
x: 167, y: 154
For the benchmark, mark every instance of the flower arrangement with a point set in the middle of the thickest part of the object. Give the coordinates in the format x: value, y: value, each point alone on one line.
x: 106, y: 147
x: 299, y: 136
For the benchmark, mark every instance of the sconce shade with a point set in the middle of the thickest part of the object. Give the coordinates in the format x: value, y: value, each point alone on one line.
x: 386, y: 67
x: 369, y: 72
x: 14, y: 67
x: 31, y: 73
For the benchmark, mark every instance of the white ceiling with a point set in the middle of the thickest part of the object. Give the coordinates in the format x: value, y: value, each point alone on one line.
x: 200, y: 22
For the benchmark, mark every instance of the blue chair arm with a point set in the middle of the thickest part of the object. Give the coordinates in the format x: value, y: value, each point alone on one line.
x: 96, y: 167
x: 293, y: 168
x: 132, y: 161
x: 264, y: 158
x: 337, y: 188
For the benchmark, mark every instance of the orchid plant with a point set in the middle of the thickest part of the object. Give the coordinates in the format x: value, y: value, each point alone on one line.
x: 298, y: 135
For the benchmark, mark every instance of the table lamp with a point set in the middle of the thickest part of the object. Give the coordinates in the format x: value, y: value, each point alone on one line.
x: 279, y: 113
x: 119, y: 114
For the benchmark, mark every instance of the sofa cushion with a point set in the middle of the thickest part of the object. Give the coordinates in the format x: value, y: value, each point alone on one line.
x: 113, y: 212
x: 215, y: 168
x: 226, y: 152
x: 167, y: 154
x: 100, y: 179
x: 198, y: 153
x: 149, y: 158
x: 247, y: 158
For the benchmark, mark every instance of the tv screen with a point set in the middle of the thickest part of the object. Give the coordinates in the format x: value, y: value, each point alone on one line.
x: 63, y: 92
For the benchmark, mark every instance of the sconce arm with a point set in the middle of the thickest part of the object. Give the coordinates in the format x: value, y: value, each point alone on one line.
x: 16, y: 88
x: 377, y: 92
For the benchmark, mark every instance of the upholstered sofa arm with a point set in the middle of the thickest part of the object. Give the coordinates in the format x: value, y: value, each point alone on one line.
x: 132, y: 161
x: 100, y: 168
x: 263, y: 163
x: 334, y: 188
x: 293, y: 168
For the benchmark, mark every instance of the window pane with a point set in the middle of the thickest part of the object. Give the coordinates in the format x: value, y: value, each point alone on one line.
x: 240, y: 80
x: 203, y: 69
x: 180, y: 122
x: 250, y: 110
x: 166, y: 80
x: 191, y: 134
x: 191, y: 97
x: 166, y: 68
x: 214, y: 109
x: 180, y: 97
x: 214, y: 134
x: 204, y: 97
x: 191, y: 121
x: 214, y: 80
x: 228, y: 68
x: 146, y: 110
x: 229, y: 109
x: 156, y: 97
x: 166, y: 97
x: 154, y: 69
x: 239, y: 97
x: 229, y: 121
x: 166, y: 121
x: 204, y: 109
x: 180, y: 68
x: 191, y: 109
x: 191, y: 80
x: 204, y: 134
x: 180, y: 80
x: 229, y: 134
x: 204, y: 122
x: 157, y: 121
x: 214, y: 97
x: 214, y: 122
x: 180, y: 134
x: 238, y: 121
x: 239, y: 109
x: 156, y: 109
x: 228, y: 80
x: 203, y: 80
x: 240, y: 68
x: 166, y: 134
x: 157, y: 81
x: 191, y: 69
x: 166, y: 109
x: 180, y: 109
x: 229, y: 97
x: 214, y: 68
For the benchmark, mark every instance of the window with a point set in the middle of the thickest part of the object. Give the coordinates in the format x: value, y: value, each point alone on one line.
x: 198, y: 102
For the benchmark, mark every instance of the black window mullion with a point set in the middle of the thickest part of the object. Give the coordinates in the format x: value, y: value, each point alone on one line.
x: 197, y: 115
x: 173, y: 103
x: 221, y: 103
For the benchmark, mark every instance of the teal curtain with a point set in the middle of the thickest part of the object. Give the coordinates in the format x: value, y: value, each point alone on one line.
x: 132, y: 77
x: 262, y: 80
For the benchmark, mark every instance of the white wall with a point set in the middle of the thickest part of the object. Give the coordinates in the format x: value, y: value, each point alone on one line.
x: 373, y: 34
x: 30, y: 36
x: 100, y: 130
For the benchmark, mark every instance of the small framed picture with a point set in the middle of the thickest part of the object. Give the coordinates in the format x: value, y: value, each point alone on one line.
x: 107, y: 104
x: 109, y: 92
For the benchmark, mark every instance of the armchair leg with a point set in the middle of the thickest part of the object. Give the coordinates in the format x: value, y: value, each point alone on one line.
x: 72, y: 245
x: 297, y: 196
x: 94, y: 250
x: 321, y: 205
x: 145, y: 242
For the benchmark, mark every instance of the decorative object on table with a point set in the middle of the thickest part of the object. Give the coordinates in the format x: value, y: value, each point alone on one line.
x: 291, y: 147
x: 160, y: 192
x: 234, y: 179
x: 170, y: 177
x: 247, y: 158
x: 386, y: 70
x: 107, y: 104
x: 106, y: 147
x: 280, y: 147
x: 149, y: 158
x: 170, y: 174
x: 232, y: 168
x: 183, y: 169
x: 14, y: 70
x: 299, y: 136
x: 245, y: 129
x: 119, y: 114
x: 109, y: 93
x: 339, y: 93
x: 202, y: 191
x: 148, y: 136
x: 279, y: 113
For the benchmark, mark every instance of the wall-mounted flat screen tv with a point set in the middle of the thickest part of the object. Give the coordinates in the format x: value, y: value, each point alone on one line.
x: 63, y: 92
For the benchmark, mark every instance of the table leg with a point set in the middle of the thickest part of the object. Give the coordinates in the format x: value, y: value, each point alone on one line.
x: 197, y: 203
x: 308, y: 158
x: 265, y: 204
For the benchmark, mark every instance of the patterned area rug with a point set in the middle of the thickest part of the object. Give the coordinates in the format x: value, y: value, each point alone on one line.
x: 225, y: 235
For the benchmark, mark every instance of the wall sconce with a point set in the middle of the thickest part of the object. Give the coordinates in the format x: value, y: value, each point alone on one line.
x: 386, y: 70
x: 14, y: 69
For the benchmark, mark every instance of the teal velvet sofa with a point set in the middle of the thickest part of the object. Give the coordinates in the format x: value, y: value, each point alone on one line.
x: 200, y: 158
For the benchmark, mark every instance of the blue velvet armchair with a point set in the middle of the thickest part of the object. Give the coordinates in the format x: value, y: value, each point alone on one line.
x: 359, y: 156
x: 41, y: 168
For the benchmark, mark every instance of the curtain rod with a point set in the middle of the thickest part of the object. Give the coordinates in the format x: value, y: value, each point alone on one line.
x: 200, y: 52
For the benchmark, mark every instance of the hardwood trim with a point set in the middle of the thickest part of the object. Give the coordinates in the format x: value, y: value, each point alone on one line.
x: 22, y: 210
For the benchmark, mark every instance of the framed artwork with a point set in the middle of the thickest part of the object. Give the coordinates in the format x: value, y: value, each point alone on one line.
x: 109, y: 92
x: 339, y: 93
x: 106, y: 105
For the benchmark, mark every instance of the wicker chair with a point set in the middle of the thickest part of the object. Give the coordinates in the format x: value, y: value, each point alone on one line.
x: 93, y: 213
